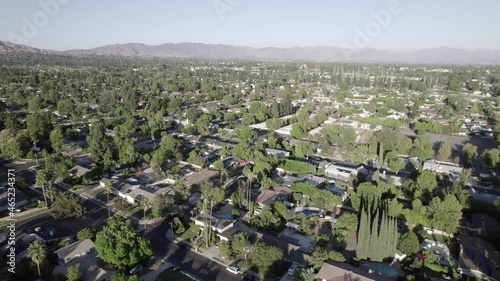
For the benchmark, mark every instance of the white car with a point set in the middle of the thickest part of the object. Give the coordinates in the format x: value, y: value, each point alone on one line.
x: 233, y: 269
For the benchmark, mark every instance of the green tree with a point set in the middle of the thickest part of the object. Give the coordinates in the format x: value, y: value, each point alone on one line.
x: 108, y: 187
x: 203, y: 124
x: 336, y: 256
x: 491, y: 157
x: 469, y: 154
x: 318, y: 256
x: 408, y: 243
x: 238, y: 197
x: 444, y: 151
x: 264, y: 256
x: 99, y: 144
x: 422, y: 147
x: 42, y: 178
x: 74, y: 274
x: 123, y: 277
x: 211, y: 196
x: 346, y: 225
x: 446, y: 214
x: 226, y: 249
x: 192, y: 114
x: 37, y: 252
x: 240, y: 244
x: 159, y: 205
x: 394, y: 208
x: 304, y: 149
x: 179, y: 226
x: 38, y: 126
x: 425, y: 184
x: 307, y: 274
x: 86, y: 233
x: 182, y: 190
x: 57, y: 138
x: 114, y: 249
x: 67, y: 205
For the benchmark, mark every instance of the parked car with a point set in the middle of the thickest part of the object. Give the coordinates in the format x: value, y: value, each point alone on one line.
x: 136, y: 269
x: 233, y: 269
x: 151, y: 261
x: 293, y: 269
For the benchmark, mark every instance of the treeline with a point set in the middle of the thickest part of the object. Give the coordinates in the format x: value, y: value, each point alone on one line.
x: 319, y: 197
x: 297, y: 167
x: 433, y: 127
x: 389, y: 122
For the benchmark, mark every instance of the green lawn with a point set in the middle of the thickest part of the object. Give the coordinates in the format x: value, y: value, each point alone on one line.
x: 173, y: 274
x: 190, y: 233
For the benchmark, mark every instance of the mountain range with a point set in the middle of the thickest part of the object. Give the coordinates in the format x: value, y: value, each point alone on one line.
x: 443, y: 55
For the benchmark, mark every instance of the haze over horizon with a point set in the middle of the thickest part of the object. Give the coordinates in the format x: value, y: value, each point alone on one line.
x: 415, y: 25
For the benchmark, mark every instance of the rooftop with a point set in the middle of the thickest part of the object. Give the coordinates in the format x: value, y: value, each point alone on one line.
x: 201, y: 176
x: 336, y: 271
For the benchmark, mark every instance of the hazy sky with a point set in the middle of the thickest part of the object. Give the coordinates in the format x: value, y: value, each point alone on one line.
x: 413, y: 24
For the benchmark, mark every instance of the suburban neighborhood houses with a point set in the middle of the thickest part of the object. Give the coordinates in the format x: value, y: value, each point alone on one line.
x: 127, y: 168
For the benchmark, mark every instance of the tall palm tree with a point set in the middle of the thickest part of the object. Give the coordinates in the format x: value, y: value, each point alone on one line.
x: 145, y: 204
x: 251, y: 177
x: 40, y: 181
x: 108, y: 186
x: 37, y: 253
x: 211, y: 197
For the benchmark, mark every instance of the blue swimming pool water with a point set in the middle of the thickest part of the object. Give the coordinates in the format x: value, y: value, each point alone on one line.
x: 309, y: 212
x: 224, y: 216
x: 384, y: 269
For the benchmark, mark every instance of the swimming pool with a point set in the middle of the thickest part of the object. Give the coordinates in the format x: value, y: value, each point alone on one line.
x: 308, y: 211
x: 384, y: 269
x: 227, y: 216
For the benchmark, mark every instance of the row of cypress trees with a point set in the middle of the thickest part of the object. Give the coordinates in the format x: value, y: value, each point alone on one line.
x: 377, y: 235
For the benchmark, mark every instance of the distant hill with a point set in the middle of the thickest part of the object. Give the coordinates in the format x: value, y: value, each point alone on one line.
x: 326, y: 54
x: 8, y: 47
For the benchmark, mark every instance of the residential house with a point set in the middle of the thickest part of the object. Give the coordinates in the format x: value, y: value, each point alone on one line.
x: 219, y: 225
x: 201, y: 176
x: 343, y: 172
x: 388, y: 178
x: 213, y: 143
x: 277, y: 152
x: 78, y: 171
x: 134, y: 190
x: 336, y: 271
x: 237, y: 228
x: 275, y: 194
x: 335, y: 189
x: 75, y: 250
x: 231, y: 162
x: 314, y: 180
x: 478, y: 258
x: 443, y: 167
